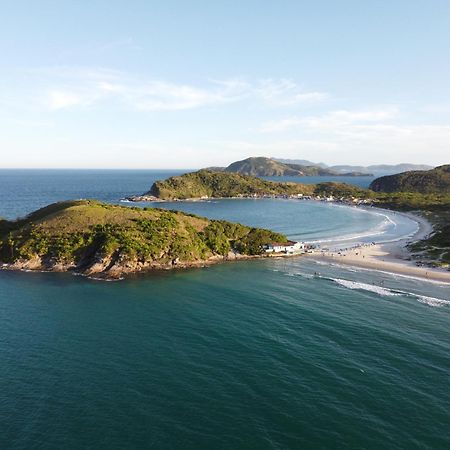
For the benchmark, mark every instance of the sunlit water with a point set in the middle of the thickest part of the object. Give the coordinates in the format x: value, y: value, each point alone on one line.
x: 261, y: 354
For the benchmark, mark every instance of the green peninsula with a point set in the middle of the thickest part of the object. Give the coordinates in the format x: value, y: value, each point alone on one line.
x: 207, y: 183
x: 108, y: 241
x: 402, y: 194
x: 436, y: 180
x: 210, y: 184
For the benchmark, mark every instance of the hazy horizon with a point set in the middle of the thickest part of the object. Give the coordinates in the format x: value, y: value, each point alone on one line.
x: 188, y: 168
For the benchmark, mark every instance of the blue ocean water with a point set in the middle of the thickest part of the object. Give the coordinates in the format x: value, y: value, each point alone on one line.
x: 250, y: 355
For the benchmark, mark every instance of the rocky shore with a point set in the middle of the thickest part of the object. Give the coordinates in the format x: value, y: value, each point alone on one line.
x: 106, y: 241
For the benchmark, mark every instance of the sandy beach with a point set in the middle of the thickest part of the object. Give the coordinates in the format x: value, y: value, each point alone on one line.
x: 390, y: 257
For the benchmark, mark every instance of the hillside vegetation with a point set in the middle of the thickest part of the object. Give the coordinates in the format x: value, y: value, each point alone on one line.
x: 206, y: 183
x: 222, y: 184
x: 91, y: 237
x: 376, y: 169
x: 269, y: 167
x: 421, y: 181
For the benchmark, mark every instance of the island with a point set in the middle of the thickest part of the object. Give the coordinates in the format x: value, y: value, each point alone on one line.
x: 206, y: 183
x: 269, y: 167
x: 107, y: 241
x: 377, y: 170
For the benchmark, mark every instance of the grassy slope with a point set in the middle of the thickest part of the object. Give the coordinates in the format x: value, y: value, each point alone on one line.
x: 419, y: 181
x: 85, y: 231
x: 262, y: 166
x: 221, y: 184
x: 426, y: 191
x: 212, y: 184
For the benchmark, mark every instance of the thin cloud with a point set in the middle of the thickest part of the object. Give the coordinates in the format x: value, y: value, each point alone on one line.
x: 333, y: 120
x: 286, y: 92
x: 66, y: 88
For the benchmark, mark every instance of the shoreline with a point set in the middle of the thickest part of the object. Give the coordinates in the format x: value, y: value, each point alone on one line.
x: 390, y: 257
x: 118, y: 274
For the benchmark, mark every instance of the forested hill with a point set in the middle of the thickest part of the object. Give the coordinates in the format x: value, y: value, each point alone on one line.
x: 207, y: 183
x: 268, y: 167
x: 434, y: 181
x: 94, y: 238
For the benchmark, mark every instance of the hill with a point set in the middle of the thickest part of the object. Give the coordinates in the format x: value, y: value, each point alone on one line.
x: 206, y: 183
x: 376, y: 169
x: 268, y: 167
x: 421, y: 181
x: 94, y: 238
x: 222, y: 184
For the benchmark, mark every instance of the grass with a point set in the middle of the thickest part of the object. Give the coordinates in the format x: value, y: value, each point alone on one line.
x: 87, y: 229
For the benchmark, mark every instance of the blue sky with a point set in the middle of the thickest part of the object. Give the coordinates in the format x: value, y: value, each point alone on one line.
x: 144, y: 84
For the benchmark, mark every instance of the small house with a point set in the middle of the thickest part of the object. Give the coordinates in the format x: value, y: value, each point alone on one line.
x: 284, y: 247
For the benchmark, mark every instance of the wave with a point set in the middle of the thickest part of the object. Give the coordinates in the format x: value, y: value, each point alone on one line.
x: 366, y: 287
x: 431, y: 301
x: 387, y: 226
x: 386, y: 292
x: 385, y: 272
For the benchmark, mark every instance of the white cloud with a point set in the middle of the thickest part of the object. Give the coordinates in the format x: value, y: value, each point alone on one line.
x: 61, y: 99
x: 333, y: 120
x: 286, y: 92
x: 370, y: 135
x: 66, y: 88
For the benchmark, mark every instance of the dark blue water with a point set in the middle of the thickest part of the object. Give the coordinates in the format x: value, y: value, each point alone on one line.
x: 24, y: 191
x: 250, y: 355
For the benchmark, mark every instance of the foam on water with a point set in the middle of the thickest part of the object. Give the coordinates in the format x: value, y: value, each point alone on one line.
x: 365, y: 287
x: 431, y: 301
x: 388, y: 231
x: 387, y: 292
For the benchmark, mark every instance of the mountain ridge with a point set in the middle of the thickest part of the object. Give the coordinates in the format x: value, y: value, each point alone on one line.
x: 436, y: 180
x: 377, y: 169
x: 268, y: 167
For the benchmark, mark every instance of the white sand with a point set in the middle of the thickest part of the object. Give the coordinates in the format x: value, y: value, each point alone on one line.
x: 389, y: 257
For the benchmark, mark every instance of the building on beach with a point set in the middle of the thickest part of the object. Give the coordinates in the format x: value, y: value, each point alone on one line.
x: 284, y: 247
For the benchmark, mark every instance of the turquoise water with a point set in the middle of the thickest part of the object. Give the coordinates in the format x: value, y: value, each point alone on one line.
x: 251, y: 355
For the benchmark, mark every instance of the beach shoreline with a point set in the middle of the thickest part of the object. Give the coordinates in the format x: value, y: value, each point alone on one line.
x: 391, y: 257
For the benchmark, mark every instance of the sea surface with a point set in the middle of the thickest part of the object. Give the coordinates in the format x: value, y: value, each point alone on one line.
x: 267, y: 354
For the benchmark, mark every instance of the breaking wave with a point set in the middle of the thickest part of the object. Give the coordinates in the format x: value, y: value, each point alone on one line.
x: 386, y: 292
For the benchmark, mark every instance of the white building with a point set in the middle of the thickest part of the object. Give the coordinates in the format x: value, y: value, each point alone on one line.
x: 284, y: 247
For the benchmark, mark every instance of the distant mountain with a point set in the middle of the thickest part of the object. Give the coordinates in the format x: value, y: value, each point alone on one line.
x: 268, y: 167
x: 423, y: 181
x: 301, y: 162
x: 376, y: 169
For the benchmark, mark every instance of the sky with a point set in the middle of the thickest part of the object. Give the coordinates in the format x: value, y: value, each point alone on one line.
x: 177, y: 84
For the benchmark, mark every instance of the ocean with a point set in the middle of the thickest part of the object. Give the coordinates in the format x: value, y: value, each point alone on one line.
x: 267, y: 354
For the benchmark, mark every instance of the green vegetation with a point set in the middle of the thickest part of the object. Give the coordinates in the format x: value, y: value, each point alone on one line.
x: 93, y: 237
x: 420, y: 181
x: 412, y: 201
x: 427, y: 191
x: 341, y: 190
x: 206, y: 183
x: 436, y: 248
x: 268, y: 167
